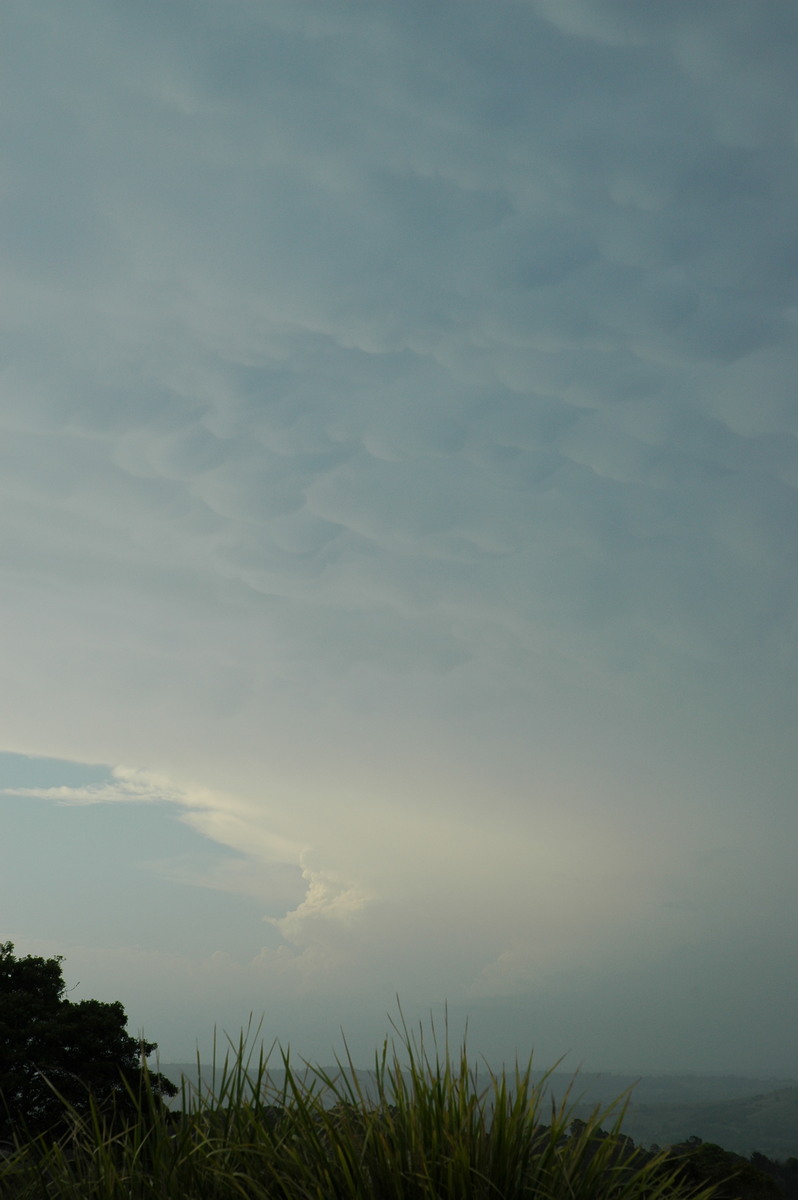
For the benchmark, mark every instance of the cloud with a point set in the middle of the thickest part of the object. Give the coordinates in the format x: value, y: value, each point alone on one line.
x: 399, y: 439
x: 359, y: 432
x: 128, y: 785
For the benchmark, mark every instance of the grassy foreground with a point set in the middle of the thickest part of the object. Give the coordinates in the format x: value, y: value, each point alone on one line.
x: 431, y: 1129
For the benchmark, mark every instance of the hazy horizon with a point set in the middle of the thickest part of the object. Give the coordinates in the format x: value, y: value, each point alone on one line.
x: 398, y: 515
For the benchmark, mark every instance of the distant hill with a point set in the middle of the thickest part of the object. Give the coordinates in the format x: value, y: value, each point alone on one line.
x: 767, y: 1122
x: 735, y: 1112
x: 666, y: 1089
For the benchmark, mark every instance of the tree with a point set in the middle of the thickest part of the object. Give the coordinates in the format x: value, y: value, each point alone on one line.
x: 730, y: 1176
x: 54, y: 1050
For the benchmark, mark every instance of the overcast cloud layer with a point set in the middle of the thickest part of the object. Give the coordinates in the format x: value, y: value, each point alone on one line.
x: 398, y: 484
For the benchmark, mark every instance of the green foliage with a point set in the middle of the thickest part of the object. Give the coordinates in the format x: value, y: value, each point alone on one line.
x: 427, y: 1128
x: 57, y: 1056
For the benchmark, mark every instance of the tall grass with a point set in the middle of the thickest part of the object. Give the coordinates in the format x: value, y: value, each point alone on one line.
x: 428, y: 1129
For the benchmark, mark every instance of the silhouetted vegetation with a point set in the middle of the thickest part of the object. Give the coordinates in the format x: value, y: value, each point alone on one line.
x: 60, y: 1059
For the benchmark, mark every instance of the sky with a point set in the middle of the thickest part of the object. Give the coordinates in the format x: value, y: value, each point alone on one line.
x: 398, y: 520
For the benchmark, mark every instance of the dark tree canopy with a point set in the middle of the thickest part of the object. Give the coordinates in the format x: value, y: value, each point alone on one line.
x: 50, y: 1044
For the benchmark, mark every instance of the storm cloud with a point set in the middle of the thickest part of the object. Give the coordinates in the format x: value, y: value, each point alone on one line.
x: 398, y: 474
